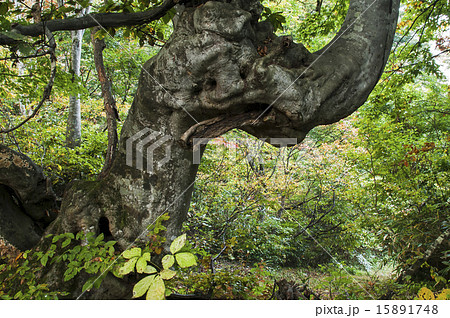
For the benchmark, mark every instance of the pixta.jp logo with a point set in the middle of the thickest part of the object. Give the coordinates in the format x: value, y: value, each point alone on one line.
x: 144, y: 144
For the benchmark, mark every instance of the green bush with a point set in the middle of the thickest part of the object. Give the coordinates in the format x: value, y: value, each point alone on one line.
x: 25, y: 277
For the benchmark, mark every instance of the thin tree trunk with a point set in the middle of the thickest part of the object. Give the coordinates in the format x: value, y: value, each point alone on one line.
x: 73, y: 133
x: 108, y: 101
x: 21, y: 72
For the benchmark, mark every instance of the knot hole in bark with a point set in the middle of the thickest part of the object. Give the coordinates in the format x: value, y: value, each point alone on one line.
x: 210, y: 84
x: 103, y: 227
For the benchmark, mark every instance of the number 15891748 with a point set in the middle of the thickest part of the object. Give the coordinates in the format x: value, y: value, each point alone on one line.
x: 407, y: 309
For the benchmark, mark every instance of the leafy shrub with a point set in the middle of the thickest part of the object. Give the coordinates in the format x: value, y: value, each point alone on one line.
x: 153, y: 284
x: 400, y: 150
x: 229, y: 282
x: 263, y: 207
x: 25, y: 278
x: 43, y: 140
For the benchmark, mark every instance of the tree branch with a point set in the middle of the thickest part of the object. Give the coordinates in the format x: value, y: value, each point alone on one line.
x: 316, y: 221
x: 108, y: 101
x: 105, y: 20
x: 212, y: 128
x: 412, y: 64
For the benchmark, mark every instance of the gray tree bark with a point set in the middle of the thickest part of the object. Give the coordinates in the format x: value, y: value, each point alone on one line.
x: 27, y: 201
x: 22, y: 107
x: 73, y: 132
x: 21, y: 72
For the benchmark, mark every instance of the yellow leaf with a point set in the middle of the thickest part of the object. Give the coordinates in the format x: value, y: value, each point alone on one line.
x: 167, y: 274
x: 142, y: 286
x: 444, y: 295
x: 425, y: 294
x: 157, y: 289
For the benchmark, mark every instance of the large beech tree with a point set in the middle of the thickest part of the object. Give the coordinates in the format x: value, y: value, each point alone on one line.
x: 221, y: 69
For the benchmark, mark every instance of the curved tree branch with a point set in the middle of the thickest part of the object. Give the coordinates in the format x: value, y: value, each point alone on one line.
x: 212, y: 128
x: 222, y: 73
x: 312, y: 89
x: 105, y: 20
x: 357, y: 55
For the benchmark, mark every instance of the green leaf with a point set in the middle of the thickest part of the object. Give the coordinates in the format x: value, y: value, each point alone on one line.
x: 167, y: 274
x: 99, y: 280
x: 178, y: 243
x: 84, y: 3
x: 44, y: 260
x: 157, y: 289
x: 134, y: 252
x: 169, y: 15
x: 146, y: 256
x: 185, y: 259
x: 90, y: 237
x: 141, y: 264
x: 99, y: 238
x: 66, y: 242
x: 168, y: 261
x: 88, y: 285
x: 150, y: 270
x: 128, y: 267
x: 76, y: 249
x: 110, y: 243
x: 142, y: 286
x: 70, y: 273
x: 116, y: 271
